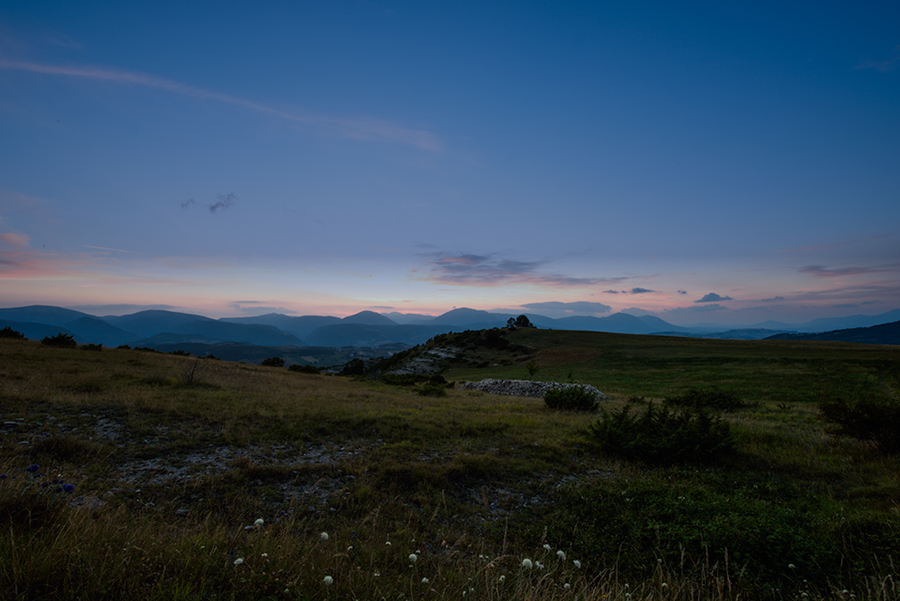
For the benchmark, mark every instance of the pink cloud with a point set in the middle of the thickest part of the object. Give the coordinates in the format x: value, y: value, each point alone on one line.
x: 14, y: 239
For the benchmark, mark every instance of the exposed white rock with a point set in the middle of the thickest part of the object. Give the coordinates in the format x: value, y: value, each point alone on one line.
x: 525, y: 388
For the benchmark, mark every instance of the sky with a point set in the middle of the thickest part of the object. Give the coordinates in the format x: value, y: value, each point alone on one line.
x: 702, y: 162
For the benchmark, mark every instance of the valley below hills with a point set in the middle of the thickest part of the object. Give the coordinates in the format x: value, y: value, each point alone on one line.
x: 328, y: 340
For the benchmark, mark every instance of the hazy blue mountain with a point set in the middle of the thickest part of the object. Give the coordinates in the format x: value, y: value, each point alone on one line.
x: 886, y: 333
x: 301, y: 326
x: 353, y: 334
x: 618, y: 323
x: 830, y: 324
x: 97, y: 331
x: 659, y: 325
x: 238, y: 332
x: 54, y: 316
x: 366, y: 328
x: 35, y: 331
x: 466, y: 317
x: 148, y: 323
x: 369, y: 318
x: 736, y: 334
x: 157, y: 340
x: 408, y: 318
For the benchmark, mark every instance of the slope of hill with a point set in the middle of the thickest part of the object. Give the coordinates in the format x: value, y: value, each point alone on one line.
x: 369, y: 318
x: 98, y: 331
x: 301, y: 327
x: 354, y: 334
x: 148, y: 323
x: 54, y: 316
x: 35, y: 331
x: 887, y: 333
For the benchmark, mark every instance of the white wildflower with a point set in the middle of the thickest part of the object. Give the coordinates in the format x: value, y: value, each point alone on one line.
x: 547, y: 547
x: 413, y: 558
x: 577, y: 563
x: 424, y: 580
x: 539, y: 565
x: 238, y: 561
x: 502, y: 578
x: 323, y: 536
x: 526, y: 563
x: 259, y: 522
x: 328, y: 580
x: 561, y: 554
x: 567, y: 586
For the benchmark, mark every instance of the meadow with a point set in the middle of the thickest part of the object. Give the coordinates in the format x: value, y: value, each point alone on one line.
x: 140, y: 475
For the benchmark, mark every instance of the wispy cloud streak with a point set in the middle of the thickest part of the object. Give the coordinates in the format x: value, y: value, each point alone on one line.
x: 483, y: 270
x: 364, y: 129
x: 820, y: 271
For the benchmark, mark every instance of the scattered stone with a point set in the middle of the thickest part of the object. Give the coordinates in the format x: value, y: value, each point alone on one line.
x: 87, y: 502
x: 522, y: 388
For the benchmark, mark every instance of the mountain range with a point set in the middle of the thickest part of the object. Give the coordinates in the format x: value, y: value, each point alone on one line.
x: 158, y: 329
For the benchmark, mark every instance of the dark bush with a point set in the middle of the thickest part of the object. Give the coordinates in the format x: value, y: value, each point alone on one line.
x: 868, y: 420
x: 273, y: 362
x: 180, y: 353
x: 60, y: 341
x: 91, y: 347
x: 354, y: 367
x: 437, y: 380
x: 662, y: 436
x: 572, y: 398
x: 305, y: 369
x: 8, y: 332
x: 403, y: 379
x: 725, y: 400
x: 431, y: 389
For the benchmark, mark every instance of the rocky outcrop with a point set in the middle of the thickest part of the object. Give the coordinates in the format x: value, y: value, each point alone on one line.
x: 525, y: 388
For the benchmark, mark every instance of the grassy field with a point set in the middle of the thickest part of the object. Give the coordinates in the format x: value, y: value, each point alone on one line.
x: 202, y: 479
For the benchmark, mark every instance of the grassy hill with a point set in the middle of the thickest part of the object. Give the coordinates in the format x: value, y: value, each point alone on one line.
x: 174, y: 460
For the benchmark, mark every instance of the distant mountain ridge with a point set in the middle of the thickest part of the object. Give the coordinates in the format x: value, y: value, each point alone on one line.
x: 886, y: 333
x: 363, y: 329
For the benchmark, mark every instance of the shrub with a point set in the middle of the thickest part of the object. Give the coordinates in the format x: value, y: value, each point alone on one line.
x: 354, y: 367
x: 91, y: 347
x: 572, y: 398
x: 725, y: 400
x: 60, y: 341
x: 532, y: 368
x: 305, y: 369
x: 180, y: 353
x: 402, y: 379
x: 869, y: 420
x: 432, y: 389
x: 8, y: 332
x: 663, y: 436
x: 273, y: 362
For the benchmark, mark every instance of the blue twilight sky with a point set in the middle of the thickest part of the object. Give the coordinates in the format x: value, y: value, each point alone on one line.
x: 707, y: 162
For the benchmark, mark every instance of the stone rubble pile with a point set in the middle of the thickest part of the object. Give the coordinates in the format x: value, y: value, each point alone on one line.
x: 524, y: 388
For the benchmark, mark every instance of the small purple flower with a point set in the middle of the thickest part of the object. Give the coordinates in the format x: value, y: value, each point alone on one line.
x: 34, y: 467
x: 44, y: 484
x: 68, y: 488
x: 4, y: 476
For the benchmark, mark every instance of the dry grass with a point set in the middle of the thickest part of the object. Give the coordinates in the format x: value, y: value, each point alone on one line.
x: 170, y: 477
